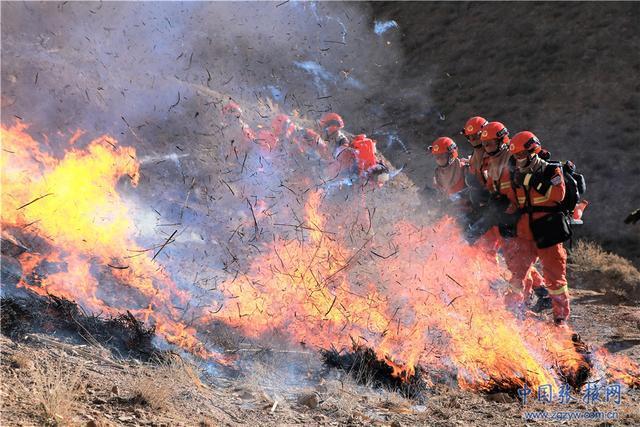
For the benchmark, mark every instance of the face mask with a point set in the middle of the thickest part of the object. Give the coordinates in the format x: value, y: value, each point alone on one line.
x: 523, y: 163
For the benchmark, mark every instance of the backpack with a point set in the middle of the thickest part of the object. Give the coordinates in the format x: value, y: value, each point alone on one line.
x: 575, y: 185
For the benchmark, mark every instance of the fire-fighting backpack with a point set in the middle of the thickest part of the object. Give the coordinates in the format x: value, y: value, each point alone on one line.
x: 556, y: 226
x: 575, y: 185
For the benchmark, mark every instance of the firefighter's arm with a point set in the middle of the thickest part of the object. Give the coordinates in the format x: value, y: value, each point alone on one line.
x: 506, y: 188
x: 633, y: 217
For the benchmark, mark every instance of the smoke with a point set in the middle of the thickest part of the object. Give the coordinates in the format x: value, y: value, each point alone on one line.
x: 89, y: 65
x: 155, y: 75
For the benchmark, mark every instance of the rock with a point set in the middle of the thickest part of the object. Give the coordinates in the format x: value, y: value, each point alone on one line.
x: 91, y: 423
x: 125, y: 418
x: 114, y: 390
x: 419, y: 408
x: 11, y: 246
x: 99, y: 401
x: 311, y: 400
x: 245, y: 395
x: 396, y: 424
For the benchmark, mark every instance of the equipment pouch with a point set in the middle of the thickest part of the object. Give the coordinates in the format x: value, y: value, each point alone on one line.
x: 551, y: 229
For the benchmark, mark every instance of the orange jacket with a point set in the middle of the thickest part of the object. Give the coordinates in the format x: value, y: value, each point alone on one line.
x: 501, y: 185
x: 477, y: 163
x: 451, y: 178
x: 551, y: 198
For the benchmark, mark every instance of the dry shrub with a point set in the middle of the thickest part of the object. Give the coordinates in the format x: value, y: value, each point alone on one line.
x: 264, y: 377
x: 596, y: 269
x: 158, y: 385
x: 343, y: 394
x: 55, y: 388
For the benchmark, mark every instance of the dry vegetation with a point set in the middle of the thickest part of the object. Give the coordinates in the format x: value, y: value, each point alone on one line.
x: 54, y: 385
x: 156, y: 386
x: 594, y: 268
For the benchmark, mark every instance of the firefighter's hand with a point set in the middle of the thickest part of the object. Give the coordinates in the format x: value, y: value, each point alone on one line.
x: 518, y: 178
x: 633, y: 217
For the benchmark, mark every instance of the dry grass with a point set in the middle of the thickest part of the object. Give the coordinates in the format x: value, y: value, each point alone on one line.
x: 157, y: 386
x: 600, y: 270
x: 55, y: 388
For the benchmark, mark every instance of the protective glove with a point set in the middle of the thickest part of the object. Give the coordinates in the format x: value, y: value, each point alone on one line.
x: 633, y: 217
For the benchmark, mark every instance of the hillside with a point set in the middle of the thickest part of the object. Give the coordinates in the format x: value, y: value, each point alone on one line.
x: 566, y: 71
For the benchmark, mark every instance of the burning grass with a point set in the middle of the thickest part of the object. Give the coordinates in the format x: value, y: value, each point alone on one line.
x: 366, y: 368
x: 412, y: 296
x: 124, y: 334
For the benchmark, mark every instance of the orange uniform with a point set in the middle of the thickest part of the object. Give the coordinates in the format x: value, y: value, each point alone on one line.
x: 477, y: 163
x: 554, y: 258
x: 497, y: 177
x: 450, y: 179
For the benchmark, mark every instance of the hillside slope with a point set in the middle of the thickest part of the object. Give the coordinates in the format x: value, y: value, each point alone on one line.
x: 568, y: 72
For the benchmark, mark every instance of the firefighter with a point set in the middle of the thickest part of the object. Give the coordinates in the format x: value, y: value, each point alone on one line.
x: 359, y: 158
x: 331, y: 125
x: 538, y: 189
x: 496, y: 173
x: 304, y: 139
x: 449, y: 176
x: 472, y: 130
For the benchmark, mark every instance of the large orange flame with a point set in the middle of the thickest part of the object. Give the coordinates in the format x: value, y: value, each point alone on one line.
x: 428, y: 300
x: 74, y: 204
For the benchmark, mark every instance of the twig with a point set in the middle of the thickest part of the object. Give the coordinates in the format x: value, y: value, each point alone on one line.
x: 34, y: 200
x: 176, y: 104
x: 117, y: 267
x: 454, y: 281
x: 164, y: 244
x: 332, y: 303
x: 382, y: 256
x: 255, y: 221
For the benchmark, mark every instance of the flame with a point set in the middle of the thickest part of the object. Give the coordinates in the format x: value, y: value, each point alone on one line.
x: 74, y: 205
x: 416, y: 295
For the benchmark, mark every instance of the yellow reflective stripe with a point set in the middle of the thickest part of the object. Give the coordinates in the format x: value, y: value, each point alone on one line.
x: 544, y: 198
x: 521, y: 200
x: 504, y: 185
x: 527, y: 178
x: 560, y: 291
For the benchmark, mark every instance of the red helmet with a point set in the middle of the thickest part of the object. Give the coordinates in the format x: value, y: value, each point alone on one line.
x: 525, y: 141
x: 495, y: 131
x: 332, y: 122
x: 231, y: 108
x: 473, y: 126
x: 444, y: 145
x: 282, y: 126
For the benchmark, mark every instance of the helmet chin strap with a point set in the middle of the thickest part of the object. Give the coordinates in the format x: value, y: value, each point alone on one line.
x: 498, y: 150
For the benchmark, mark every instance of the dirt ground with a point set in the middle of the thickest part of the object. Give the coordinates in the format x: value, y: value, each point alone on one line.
x: 46, y: 380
